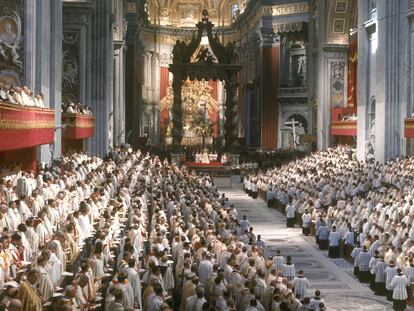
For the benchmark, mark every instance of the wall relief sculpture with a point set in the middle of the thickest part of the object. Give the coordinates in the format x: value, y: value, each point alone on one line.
x: 70, y: 72
x: 11, y: 41
x: 70, y: 67
x: 337, y: 83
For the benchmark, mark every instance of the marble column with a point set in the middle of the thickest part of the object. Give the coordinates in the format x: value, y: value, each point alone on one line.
x: 135, y: 17
x: 119, y: 95
x: 177, y: 130
x: 155, y: 87
x: 230, y: 126
x: 99, y: 69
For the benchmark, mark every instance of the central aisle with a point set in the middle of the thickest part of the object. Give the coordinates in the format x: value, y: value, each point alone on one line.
x: 340, y: 290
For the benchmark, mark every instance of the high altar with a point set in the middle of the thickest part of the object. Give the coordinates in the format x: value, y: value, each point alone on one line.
x: 200, y: 113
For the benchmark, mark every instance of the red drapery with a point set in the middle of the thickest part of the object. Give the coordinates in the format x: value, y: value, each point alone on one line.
x: 352, y: 72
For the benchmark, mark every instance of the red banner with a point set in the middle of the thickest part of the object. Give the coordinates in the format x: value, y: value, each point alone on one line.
x: 23, y: 127
x: 352, y: 72
x: 214, y: 115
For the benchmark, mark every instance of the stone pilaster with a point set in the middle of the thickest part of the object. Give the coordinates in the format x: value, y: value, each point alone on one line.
x: 42, y: 48
x: 390, y: 79
x: 383, y: 79
x: 119, y: 32
x: 55, y: 92
x: 99, y: 76
x: 331, y: 87
x: 366, y: 76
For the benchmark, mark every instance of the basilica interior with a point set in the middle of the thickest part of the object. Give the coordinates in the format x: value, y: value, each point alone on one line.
x: 249, y: 155
x: 306, y: 73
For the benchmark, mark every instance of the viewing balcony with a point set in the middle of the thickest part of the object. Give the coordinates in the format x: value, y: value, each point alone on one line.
x: 77, y: 126
x: 341, y: 125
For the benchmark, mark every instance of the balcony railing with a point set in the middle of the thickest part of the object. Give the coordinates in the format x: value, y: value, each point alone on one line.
x: 77, y: 126
x: 24, y: 127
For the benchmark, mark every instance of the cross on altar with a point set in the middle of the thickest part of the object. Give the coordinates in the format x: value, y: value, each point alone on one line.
x: 292, y: 123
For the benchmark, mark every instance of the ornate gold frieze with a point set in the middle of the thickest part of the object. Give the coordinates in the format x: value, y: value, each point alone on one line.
x: 14, y: 117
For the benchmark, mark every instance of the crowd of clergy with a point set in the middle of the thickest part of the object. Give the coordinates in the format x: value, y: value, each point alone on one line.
x: 134, y: 232
x: 21, y: 96
x: 360, y: 210
x: 68, y: 231
x: 77, y: 108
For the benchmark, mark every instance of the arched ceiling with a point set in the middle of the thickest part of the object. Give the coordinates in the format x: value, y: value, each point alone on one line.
x: 186, y: 13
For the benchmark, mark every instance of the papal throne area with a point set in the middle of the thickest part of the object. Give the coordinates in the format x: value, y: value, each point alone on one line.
x: 206, y: 155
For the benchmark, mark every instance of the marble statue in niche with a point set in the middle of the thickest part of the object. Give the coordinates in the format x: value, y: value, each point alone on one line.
x: 369, y: 145
x: 299, y: 70
x: 10, y: 39
x: 301, y: 63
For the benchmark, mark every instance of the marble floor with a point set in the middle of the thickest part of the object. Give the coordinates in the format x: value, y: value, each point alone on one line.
x: 340, y: 290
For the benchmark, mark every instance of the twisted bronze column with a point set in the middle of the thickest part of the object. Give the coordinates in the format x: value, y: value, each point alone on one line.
x: 230, y: 126
x: 177, y: 114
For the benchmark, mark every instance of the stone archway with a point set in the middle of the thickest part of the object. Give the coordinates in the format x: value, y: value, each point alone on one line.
x: 222, y: 65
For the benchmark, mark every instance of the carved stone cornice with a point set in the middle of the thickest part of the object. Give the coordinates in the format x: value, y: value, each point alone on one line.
x: 77, y: 12
x: 335, y: 47
x: 118, y: 45
x: 201, y: 71
x: 165, y: 59
x: 288, y: 27
x: 410, y: 9
x: 268, y: 38
x: 186, y: 31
